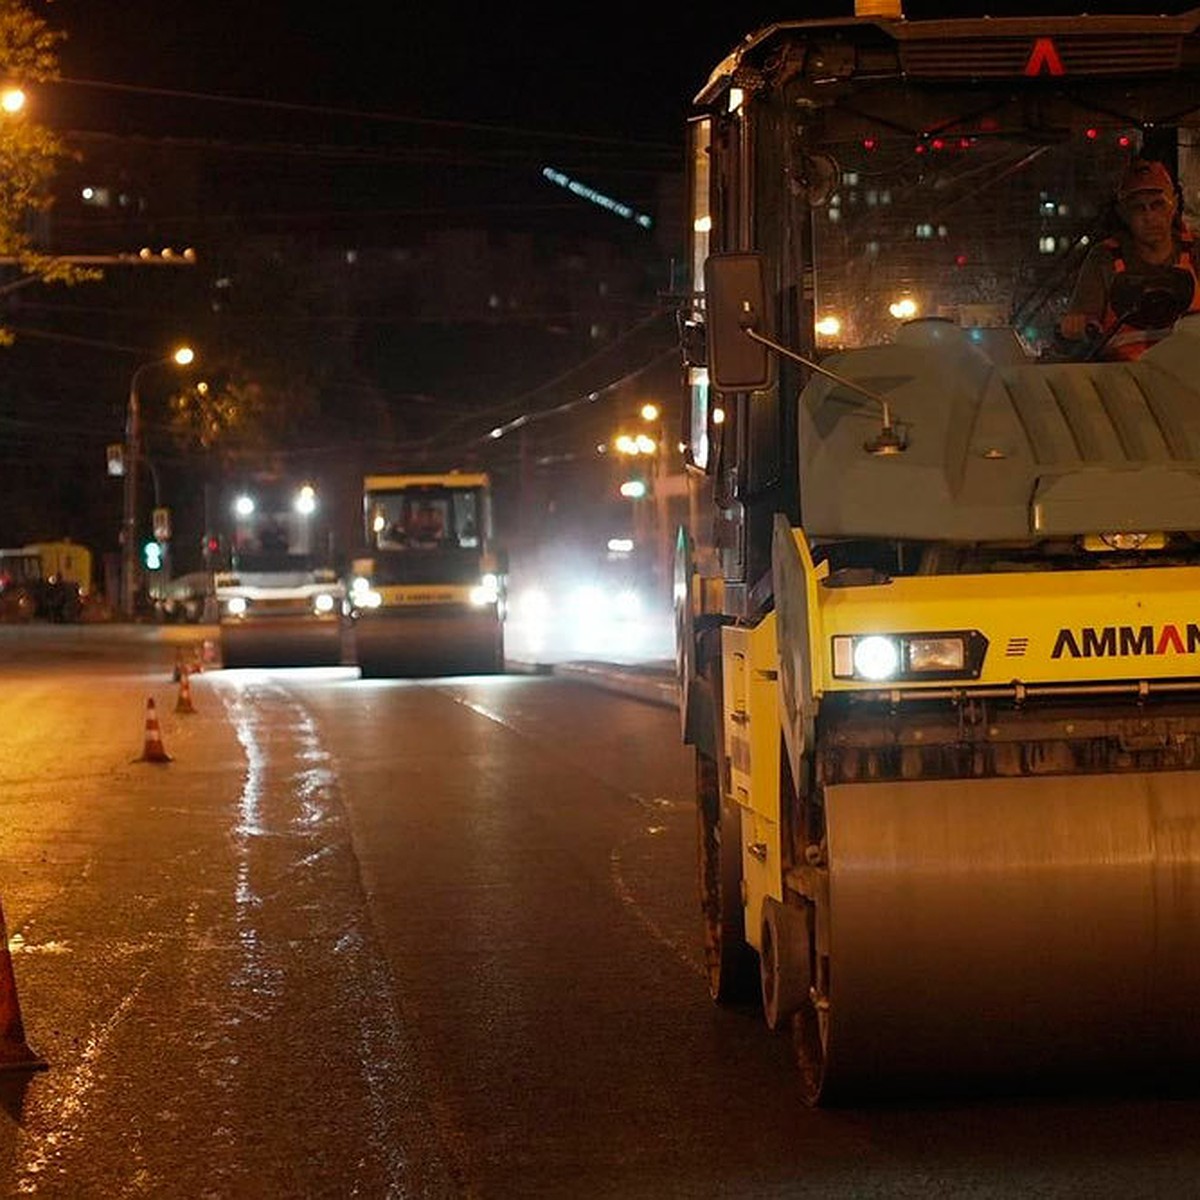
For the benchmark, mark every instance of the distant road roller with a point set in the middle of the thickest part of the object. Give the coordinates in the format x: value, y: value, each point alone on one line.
x: 938, y: 607
x: 279, y: 600
x: 427, y: 595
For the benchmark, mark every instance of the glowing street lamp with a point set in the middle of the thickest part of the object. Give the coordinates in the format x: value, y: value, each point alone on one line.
x: 180, y: 357
x: 12, y: 100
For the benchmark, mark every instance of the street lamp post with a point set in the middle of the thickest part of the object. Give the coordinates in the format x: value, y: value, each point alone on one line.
x: 133, y: 449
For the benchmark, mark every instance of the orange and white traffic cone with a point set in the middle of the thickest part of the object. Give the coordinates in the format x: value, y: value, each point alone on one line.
x: 184, y: 703
x: 15, y: 1052
x: 153, y: 750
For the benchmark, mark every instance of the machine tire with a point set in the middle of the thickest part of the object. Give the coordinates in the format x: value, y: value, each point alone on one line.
x: 810, y: 1040
x: 785, y: 971
x: 730, y: 962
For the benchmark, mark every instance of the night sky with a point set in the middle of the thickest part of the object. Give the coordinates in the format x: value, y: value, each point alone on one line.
x: 622, y: 74
x: 612, y: 69
x: 319, y: 117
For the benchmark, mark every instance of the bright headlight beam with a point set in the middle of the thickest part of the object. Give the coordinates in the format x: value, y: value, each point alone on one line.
x: 876, y: 658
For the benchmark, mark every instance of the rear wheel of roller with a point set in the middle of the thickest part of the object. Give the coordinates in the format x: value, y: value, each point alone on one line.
x: 810, y: 1037
x: 732, y: 969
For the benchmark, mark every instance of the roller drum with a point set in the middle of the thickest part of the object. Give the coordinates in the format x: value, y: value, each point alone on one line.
x: 1036, y: 928
x: 282, y: 643
x: 428, y: 644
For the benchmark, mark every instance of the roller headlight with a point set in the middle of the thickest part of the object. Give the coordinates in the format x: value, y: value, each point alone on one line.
x: 236, y: 606
x: 937, y: 653
x: 323, y: 602
x: 362, y: 595
x: 486, y: 592
x: 876, y: 658
x: 909, y: 657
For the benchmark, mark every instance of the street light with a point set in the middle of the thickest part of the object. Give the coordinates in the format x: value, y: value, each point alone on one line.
x: 133, y: 448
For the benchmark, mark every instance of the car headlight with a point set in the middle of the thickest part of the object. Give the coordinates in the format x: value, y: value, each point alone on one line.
x: 323, y: 602
x: 881, y: 658
x: 533, y: 604
x: 236, y: 606
x: 588, y: 603
x: 627, y: 604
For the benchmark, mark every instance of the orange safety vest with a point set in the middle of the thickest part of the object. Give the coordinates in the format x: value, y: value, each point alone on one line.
x: 1129, y: 343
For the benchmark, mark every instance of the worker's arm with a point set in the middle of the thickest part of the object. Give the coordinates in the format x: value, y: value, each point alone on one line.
x: 1090, y: 297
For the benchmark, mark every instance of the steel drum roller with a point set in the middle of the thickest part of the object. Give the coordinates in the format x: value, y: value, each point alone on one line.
x: 428, y: 644
x: 991, y: 928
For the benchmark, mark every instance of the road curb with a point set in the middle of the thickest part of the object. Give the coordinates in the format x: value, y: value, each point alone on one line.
x: 650, y: 686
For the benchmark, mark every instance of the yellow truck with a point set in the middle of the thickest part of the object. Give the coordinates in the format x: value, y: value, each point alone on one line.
x: 938, y: 607
x: 427, y: 594
x: 50, y: 580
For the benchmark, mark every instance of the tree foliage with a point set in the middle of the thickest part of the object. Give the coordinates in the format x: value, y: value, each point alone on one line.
x: 29, y: 152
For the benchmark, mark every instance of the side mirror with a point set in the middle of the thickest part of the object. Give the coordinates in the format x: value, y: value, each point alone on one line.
x: 735, y: 300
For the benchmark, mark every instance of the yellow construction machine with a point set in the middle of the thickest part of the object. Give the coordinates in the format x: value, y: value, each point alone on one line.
x: 938, y: 604
x: 428, y: 594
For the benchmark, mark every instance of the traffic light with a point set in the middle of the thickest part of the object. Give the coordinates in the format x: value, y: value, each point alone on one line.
x: 152, y: 556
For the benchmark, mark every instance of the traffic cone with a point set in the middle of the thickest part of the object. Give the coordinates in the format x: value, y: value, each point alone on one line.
x: 184, y: 703
x: 15, y: 1052
x: 153, y: 750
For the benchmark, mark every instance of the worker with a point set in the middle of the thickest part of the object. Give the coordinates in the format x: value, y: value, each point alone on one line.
x: 1151, y: 243
x: 425, y: 525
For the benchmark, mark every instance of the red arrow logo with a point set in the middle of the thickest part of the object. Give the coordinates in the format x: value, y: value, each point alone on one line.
x: 1044, y: 57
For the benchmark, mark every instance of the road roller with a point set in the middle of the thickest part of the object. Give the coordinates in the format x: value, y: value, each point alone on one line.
x: 279, y: 600
x: 427, y: 593
x: 938, y: 598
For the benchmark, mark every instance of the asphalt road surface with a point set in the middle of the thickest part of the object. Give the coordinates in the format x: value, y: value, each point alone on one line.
x: 422, y: 939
